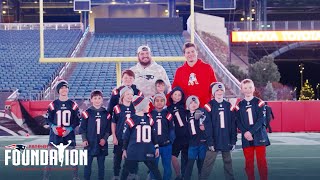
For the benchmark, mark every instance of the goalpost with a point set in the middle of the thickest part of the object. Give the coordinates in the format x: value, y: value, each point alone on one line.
x: 117, y: 60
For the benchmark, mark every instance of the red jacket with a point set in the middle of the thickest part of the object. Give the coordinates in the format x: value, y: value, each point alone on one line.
x: 195, y: 80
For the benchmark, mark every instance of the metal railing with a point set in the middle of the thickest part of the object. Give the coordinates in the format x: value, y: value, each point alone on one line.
x: 36, y: 26
x: 227, y: 78
x: 66, y: 67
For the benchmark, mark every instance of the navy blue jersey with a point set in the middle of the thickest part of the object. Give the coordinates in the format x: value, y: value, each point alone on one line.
x: 95, y: 125
x: 164, y: 126
x: 121, y: 114
x: 63, y: 114
x: 251, y: 116
x: 139, y: 138
x: 197, y: 136
x: 221, y: 127
x: 115, y: 97
x: 181, y: 125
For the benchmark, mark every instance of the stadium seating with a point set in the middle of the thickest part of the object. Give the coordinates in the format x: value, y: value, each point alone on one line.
x: 89, y: 76
x: 20, y: 67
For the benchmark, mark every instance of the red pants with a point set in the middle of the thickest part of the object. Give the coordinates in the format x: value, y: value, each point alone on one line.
x: 261, y: 161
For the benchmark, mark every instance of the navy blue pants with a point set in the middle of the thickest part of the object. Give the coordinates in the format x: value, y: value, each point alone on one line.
x: 87, y: 169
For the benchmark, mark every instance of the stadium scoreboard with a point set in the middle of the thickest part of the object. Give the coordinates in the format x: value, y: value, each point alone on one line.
x: 82, y: 5
x: 219, y: 4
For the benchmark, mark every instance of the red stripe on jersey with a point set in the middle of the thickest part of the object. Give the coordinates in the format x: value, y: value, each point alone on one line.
x: 116, y: 109
x: 130, y: 122
x: 140, y: 93
x: 261, y: 103
x: 51, y: 106
x: 151, y: 121
x: 169, y: 116
x: 207, y: 107
x: 232, y: 107
x: 85, y: 114
x: 75, y: 106
x: 115, y: 92
x: 237, y: 107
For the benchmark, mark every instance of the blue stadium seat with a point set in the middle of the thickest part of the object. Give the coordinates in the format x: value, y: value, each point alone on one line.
x: 20, y: 67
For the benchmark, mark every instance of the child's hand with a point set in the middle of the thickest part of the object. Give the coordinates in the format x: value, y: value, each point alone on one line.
x: 85, y: 143
x: 102, y: 142
x: 211, y: 148
x: 202, y: 127
x: 157, y: 153
x: 248, y: 136
x: 115, y: 140
x: 67, y: 131
x: 233, y: 147
x: 124, y: 154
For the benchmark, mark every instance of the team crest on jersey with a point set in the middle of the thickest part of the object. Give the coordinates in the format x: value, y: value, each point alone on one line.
x: 192, y: 79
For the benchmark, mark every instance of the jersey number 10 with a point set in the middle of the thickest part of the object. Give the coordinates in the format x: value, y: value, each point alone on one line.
x: 63, y: 118
x: 143, y: 134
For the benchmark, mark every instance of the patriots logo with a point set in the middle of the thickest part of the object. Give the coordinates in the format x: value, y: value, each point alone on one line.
x: 148, y: 77
x: 19, y: 147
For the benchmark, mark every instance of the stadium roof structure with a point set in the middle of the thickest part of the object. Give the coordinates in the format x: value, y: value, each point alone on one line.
x: 276, y: 9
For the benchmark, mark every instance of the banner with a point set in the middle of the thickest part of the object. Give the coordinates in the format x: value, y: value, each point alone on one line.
x: 274, y: 36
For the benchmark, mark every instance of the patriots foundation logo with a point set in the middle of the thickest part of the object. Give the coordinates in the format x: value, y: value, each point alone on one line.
x: 19, y: 147
x: 17, y: 154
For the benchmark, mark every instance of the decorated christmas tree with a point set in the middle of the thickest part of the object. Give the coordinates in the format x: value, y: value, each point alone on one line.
x: 306, y: 92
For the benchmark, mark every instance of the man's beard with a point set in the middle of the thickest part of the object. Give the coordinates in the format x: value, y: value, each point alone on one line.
x: 145, y: 63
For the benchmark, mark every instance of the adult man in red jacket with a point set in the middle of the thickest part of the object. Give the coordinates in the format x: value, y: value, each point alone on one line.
x: 194, y: 76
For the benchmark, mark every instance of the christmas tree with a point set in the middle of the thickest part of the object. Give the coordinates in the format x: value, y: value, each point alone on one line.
x: 269, y: 94
x: 306, y: 92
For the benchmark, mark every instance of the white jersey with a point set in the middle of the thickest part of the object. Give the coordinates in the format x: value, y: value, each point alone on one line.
x: 145, y: 78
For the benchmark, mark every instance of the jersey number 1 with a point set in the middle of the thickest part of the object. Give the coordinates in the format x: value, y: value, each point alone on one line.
x: 98, y: 120
x: 143, y: 134
x: 63, y: 118
x: 221, y: 113
x: 249, y: 111
x: 193, y: 128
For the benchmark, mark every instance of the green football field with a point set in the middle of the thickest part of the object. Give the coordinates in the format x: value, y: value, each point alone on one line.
x: 291, y: 156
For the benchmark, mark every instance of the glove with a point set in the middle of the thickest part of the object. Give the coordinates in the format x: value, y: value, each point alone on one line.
x: 211, y: 148
x: 54, y: 129
x: 67, y: 131
x: 198, y: 114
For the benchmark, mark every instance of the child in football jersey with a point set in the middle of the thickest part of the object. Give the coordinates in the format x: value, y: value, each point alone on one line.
x: 197, y: 143
x: 164, y: 127
x: 140, y: 140
x: 95, y: 130
x: 251, y: 120
x: 127, y: 80
x: 181, y: 143
x: 63, y: 118
x: 122, y: 112
x: 160, y: 86
x: 221, y: 132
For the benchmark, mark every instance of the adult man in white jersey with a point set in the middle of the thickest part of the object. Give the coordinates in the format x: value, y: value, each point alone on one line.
x: 147, y: 72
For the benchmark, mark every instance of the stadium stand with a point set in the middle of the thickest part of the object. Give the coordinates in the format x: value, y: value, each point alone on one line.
x: 89, y: 76
x: 20, y: 67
